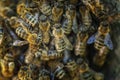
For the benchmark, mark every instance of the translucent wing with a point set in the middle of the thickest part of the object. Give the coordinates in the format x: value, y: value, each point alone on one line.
x: 108, y: 42
x: 68, y: 43
x: 91, y: 39
x: 75, y: 26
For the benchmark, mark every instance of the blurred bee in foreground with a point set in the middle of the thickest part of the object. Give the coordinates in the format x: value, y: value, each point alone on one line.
x: 7, y: 65
x: 81, y: 43
x: 61, y: 41
x: 45, y: 28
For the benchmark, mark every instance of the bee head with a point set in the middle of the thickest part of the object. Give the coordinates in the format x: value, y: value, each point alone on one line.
x: 58, y: 5
x: 43, y: 18
x: 104, y: 27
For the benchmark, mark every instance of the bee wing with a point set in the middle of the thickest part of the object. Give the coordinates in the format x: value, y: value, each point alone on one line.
x: 20, y: 43
x: 108, y: 42
x: 75, y: 26
x: 91, y: 39
x: 68, y: 44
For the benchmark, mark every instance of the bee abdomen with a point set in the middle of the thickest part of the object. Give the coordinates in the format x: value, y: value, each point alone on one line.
x: 80, y: 49
x: 46, y: 9
x: 99, y: 43
x: 31, y: 20
x: 67, y: 27
x: 21, y: 33
x: 60, y: 45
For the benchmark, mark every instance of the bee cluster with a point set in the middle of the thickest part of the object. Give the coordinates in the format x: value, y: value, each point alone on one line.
x: 54, y: 40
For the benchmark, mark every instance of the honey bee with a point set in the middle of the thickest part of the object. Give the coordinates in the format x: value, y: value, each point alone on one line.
x: 1, y: 34
x: 44, y: 75
x: 24, y: 73
x: 81, y: 42
x: 7, y: 65
x: 45, y: 28
x: 98, y: 76
x: 30, y: 19
x: 86, y: 18
x: 45, y: 8
x: 73, y: 1
x: 21, y: 33
x: 59, y: 72
x: 14, y: 23
x: 6, y: 12
x: 100, y: 58
x: 53, y: 54
x: 16, y: 40
x: 102, y: 37
x: 71, y: 65
x: 32, y: 38
x: 70, y: 16
x: 30, y: 54
x: 96, y: 7
x: 22, y: 9
x: 57, y: 12
x: 61, y: 41
x: 85, y: 72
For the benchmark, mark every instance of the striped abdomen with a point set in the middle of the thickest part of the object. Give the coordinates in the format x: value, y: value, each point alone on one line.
x: 21, y: 33
x: 46, y: 9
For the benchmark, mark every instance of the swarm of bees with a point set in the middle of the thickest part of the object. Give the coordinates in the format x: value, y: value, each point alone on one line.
x: 50, y: 39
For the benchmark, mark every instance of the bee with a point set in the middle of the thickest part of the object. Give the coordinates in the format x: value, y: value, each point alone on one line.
x: 85, y: 71
x: 86, y: 18
x: 30, y: 19
x: 1, y: 34
x: 16, y: 40
x: 96, y: 8
x: 21, y: 32
x: 45, y: 28
x: 72, y: 67
x: 44, y: 75
x: 6, y: 12
x: 45, y: 8
x: 59, y: 72
x: 22, y: 9
x: 53, y: 54
x: 32, y: 38
x: 70, y: 16
x: 14, y: 23
x: 81, y: 43
x: 57, y: 12
x: 98, y: 76
x: 100, y: 58
x: 61, y: 41
x: 24, y: 73
x: 7, y: 65
x: 73, y: 1
x: 102, y: 37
